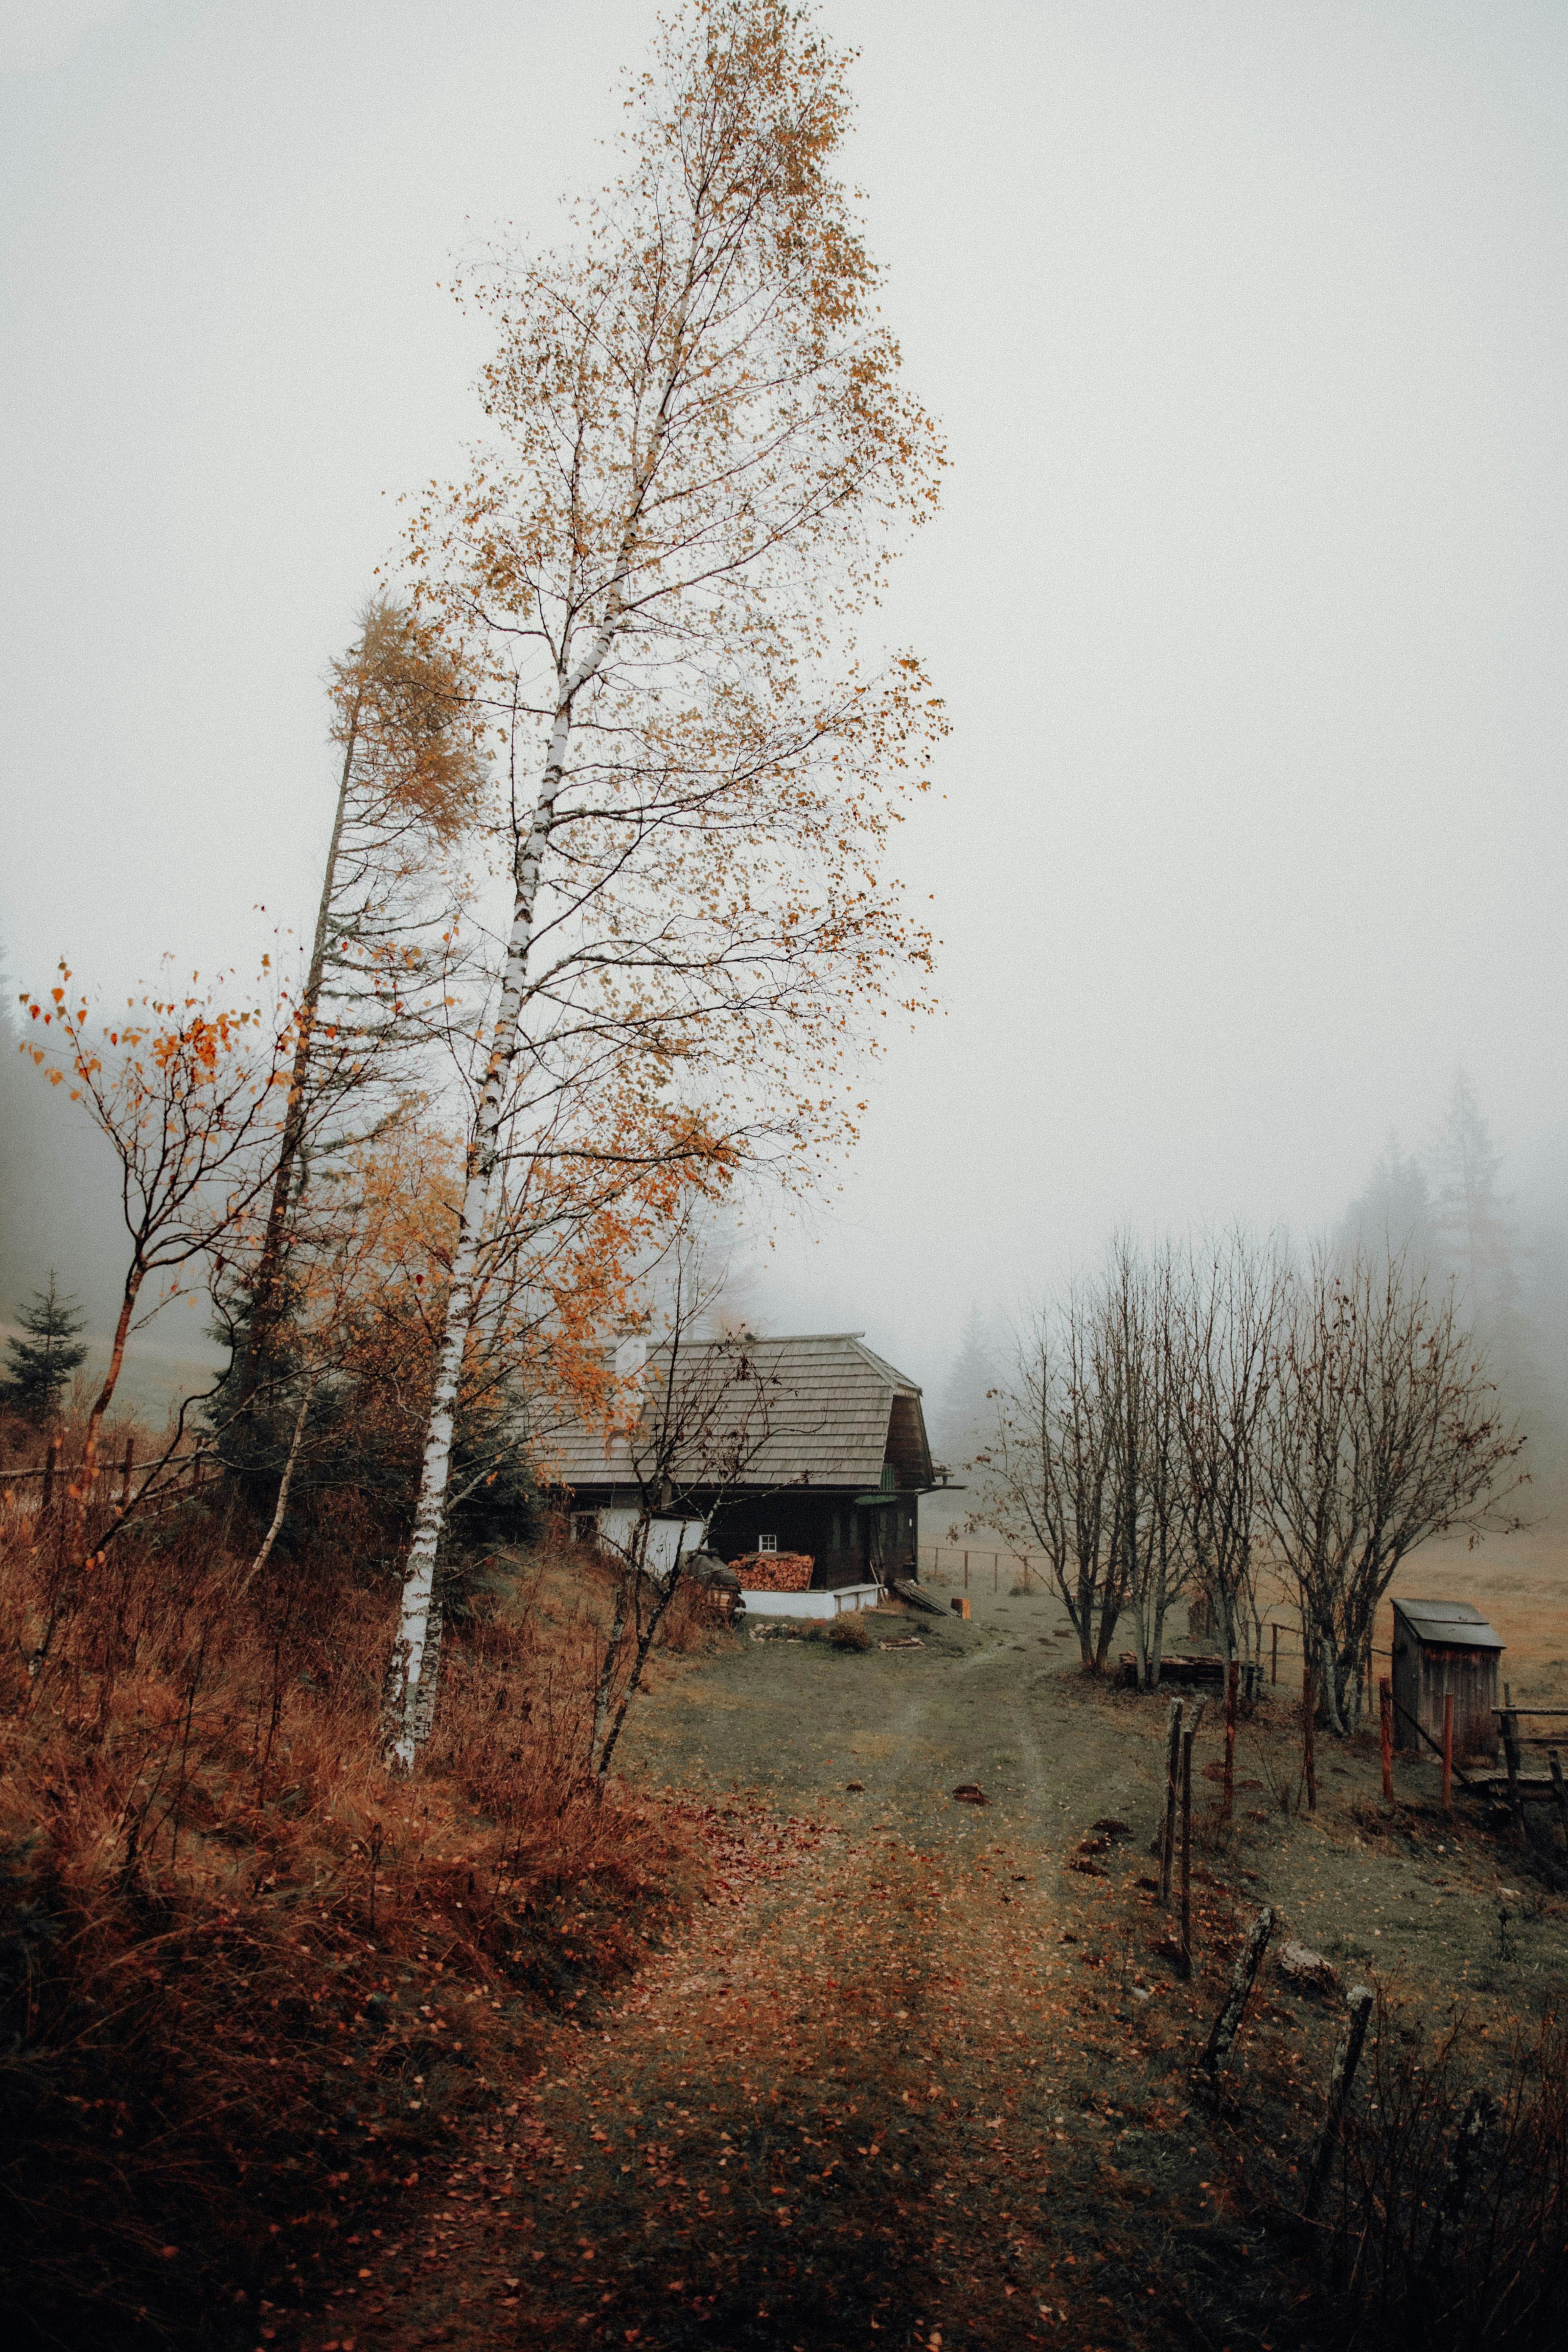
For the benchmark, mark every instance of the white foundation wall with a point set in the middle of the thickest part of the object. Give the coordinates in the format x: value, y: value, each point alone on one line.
x: 667, y: 1540
x: 844, y: 1602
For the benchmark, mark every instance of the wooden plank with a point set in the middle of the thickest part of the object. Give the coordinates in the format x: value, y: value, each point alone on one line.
x: 1533, y: 1788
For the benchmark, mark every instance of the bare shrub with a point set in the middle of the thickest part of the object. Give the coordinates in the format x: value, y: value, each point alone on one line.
x: 1450, y: 2223
x: 699, y: 1618
x: 849, y: 1633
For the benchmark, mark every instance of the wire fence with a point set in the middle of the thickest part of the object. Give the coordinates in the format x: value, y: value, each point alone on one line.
x: 1281, y: 1649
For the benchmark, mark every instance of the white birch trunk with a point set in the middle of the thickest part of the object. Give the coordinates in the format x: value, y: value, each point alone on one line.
x: 259, y: 1562
x: 410, y: 1692
x: 411, y: 1684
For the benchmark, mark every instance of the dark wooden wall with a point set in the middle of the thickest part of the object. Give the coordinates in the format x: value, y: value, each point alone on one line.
x: 848, y: 1546
x: 1422, y: 1671
x: 823, y: 1525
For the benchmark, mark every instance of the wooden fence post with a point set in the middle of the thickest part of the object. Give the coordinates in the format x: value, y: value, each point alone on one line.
x: 1242, y: 1977
x: 996, y: 1575
x: 1274, y: 1654
x: 1385, y: 1735
x: 1448, y: 1751
x: 966, y: 1571
x: 51, y: 1467
x: 1186, y: 1853
x: 1557, y: 1791
x: 1233, y: 1675
x: 1510, y: 1757
x: 1347, y: 2058
x: 1309, y: 1749
x: 1172, y: 1775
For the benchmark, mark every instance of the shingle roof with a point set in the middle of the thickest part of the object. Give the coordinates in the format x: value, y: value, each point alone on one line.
x: 1455, y: 1624
x: 815, y: 1409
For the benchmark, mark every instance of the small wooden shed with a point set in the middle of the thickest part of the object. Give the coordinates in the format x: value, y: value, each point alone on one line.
x: 1440, y: 1646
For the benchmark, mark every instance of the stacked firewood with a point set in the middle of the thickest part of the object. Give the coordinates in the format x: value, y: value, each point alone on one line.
x: 774, y: 1571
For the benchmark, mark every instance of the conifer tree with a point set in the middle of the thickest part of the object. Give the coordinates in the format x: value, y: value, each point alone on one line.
x: 1394, y: 1210
x: 1470, y: 1215
x: 43, y: 1360
x: 966, y: 1416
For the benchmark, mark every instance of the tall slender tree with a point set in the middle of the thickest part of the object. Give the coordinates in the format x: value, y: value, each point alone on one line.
x: 701, y: 446
x: 404, y: 719
x: 965, y: 1418
x: 1468, y: 1211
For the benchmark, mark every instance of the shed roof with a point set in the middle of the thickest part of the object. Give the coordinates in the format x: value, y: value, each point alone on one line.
x: 815, y: 1409
x: 1453, y: 1624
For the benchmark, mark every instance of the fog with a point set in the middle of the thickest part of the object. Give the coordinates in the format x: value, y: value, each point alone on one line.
x: 1248, y: 331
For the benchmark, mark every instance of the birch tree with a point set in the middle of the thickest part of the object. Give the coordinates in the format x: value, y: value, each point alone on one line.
x: 378, y: 981
x: 698, y: 449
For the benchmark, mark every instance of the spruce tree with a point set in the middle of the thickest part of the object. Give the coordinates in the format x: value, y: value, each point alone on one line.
x: 1470, y: 1215
x: 966, y: 1416
x: 1394, y: 1211
x: 42, y: 1360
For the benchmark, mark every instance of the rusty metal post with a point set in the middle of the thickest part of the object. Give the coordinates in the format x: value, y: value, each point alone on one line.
x: 966, y: 1571
x: 1168, y: 1819
x: 1308, y: 1746
x: 996, y: 1574
x: 1448, y: 1751
x: 1186, y: 1853
x: 1233, y: 1676
x: 1385, y: 1735
x: 1347, y: 2058
x: 1274, y: 1654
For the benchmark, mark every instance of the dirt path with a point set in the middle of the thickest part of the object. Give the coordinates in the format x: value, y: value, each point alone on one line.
x: 914, y: 2072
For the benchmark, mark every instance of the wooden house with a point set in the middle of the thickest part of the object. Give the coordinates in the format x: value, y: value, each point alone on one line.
x: 811, y: 1444
x: 1441, y: 1646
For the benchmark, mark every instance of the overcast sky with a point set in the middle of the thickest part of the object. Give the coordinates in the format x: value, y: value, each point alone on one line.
x: 1248, y: 330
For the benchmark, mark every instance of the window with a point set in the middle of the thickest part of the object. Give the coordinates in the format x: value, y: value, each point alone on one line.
x: 585, y: 1527
x: 767, y: 1543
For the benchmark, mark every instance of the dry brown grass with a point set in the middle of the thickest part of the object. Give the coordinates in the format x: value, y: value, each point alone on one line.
x: 247, y: 1981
